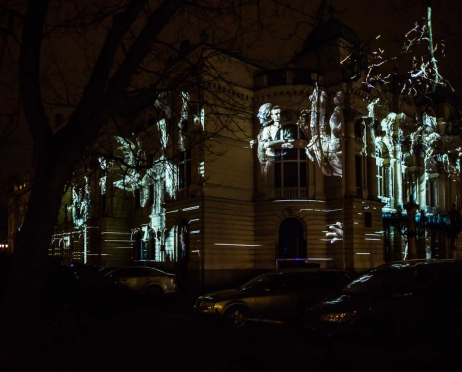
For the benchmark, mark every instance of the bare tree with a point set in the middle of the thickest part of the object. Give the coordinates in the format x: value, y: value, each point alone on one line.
x: 125, y: 49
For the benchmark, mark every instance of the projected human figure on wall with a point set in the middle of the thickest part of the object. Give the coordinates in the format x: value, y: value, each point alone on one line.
x: 270, y: 120
x: 336, y: 127
x: 264, y: 116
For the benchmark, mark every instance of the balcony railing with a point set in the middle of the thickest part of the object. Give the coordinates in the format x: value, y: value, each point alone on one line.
x: 431, y: 210
x: 291, y: 193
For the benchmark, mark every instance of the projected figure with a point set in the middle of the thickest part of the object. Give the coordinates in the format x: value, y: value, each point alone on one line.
x: 318, y: 147
x: 336, y: 126
x: 270, y: 119
x: 264, y: 116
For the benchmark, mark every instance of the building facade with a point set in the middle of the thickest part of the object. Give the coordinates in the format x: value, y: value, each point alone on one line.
x: 266, y: 168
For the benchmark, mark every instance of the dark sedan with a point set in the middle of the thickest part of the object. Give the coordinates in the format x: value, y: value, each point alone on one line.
x: 417, y: 298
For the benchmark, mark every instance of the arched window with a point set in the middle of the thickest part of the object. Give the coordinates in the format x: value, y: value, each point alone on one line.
x: 138, y: 247
x: 151, y: 247
x: 384, y: 174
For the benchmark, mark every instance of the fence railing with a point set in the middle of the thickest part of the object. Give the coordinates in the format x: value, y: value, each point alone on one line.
x: 291, y: 193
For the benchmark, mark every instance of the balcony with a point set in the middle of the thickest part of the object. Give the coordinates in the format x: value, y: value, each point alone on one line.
x: 290, y: 193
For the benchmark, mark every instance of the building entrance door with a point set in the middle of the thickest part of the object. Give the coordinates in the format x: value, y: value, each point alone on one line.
x: 292, y: 243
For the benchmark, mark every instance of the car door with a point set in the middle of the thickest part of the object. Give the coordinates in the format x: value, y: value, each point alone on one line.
x: 280, y: 298
x: 133, y: 278
x: 398, y: 303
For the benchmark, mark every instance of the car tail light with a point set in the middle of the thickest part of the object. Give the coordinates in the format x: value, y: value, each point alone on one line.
x: 172, y: 280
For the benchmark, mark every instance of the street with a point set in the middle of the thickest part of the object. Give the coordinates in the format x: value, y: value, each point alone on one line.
x: 164, y: 335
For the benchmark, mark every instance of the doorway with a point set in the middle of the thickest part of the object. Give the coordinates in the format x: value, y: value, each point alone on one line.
x: 292, y: 243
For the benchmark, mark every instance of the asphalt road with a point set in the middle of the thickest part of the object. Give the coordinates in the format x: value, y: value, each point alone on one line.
x: 164, y: 335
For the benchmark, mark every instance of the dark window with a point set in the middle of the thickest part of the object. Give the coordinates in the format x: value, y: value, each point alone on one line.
x: 277, y: 175
x: 291, y: 174
x: 290, y: 154
x: 368, y: 219
x: 150, y: 160
x: 358, y: 170
x: 290, y: 168
x: 134, y: 272
x: 103, y: 204
x: 137, y: 198
x: 185, y: 169
x: 303, y: 174
x: 151, y: 247
x: 151, y: 194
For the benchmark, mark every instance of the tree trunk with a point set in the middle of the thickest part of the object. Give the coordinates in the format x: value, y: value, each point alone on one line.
x: 21, y: 306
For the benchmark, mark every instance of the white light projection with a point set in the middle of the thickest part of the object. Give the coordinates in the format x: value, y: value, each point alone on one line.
x: 103, y: 179
x: 131, y: 178
x: 182, y: 125
x: 80, y: 204
x: 324, y: 146
x: 270, y: 120
x: 335, y: 233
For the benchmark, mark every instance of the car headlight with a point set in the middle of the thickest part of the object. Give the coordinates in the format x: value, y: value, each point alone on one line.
x: 205, y: 304
x: 338, y: 317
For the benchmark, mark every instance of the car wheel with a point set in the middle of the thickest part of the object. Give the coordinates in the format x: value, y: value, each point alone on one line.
x: 236, y: 316
x: 154, y: 291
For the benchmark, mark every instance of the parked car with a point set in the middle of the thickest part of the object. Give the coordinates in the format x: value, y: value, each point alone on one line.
x: 420, y: 298
x: 277, y: 296
x: 107, y: 269
x: 144, y: 280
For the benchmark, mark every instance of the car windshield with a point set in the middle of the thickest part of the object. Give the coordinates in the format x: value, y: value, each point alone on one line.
x: 257, y: 283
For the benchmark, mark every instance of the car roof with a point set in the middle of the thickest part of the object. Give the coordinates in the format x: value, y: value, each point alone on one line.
x: 305, y: 270
x: 403, y: 264
x: 140, y: 267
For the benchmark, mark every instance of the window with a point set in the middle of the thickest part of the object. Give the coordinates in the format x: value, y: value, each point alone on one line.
x: 185, y: 169
x: 387, y: 181
x: 137, y: 198
x: 433, y: 191
x: 358, y: 170
x: 151, y: 194
x: 150, y: 160
x: 368, y: 219
x: 290, y: 168
x: 103, y: 204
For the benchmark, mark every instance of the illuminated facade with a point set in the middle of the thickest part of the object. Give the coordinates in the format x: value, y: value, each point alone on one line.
x: 322, y: 171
